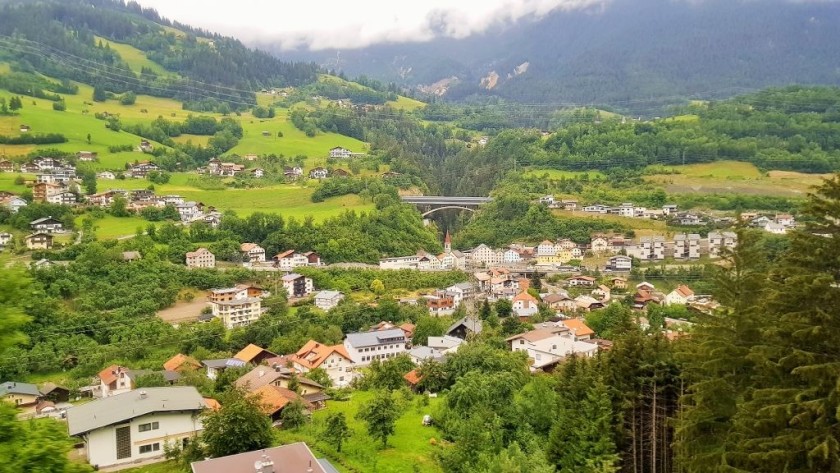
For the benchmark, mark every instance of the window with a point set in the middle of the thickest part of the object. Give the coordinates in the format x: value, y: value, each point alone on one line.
x: 155, y: 447
x: 521, y: 342
x: 149, y: 426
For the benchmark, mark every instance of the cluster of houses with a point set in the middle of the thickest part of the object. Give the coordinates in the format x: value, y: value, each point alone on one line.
x: 560, y: 252
x: 779, y: 224
x: 343, y: 153
x: 139, y: 199
x: 241, y: 305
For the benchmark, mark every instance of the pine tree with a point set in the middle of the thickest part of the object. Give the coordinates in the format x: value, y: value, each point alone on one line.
x: 717, y: 368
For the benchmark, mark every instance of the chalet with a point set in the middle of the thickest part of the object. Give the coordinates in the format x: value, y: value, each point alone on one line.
x: 63, y: 198
x: 548, y: 344
x: 46, y: 225
x: 319, y: 173
x: 340, y: 153
x: 465, y: 328
x: 201, y: 258
x: 581, y: 281
x: 619, y: 283
x: 30, y: 168
x: 644, y: 297
x: 7, y: 166
x: 146, y: 146
x: 252, y: 253
x: 289, y: 260
x: 525, y: 305
x: 599, y: 245
x: 55, y: 393
x: 297, y: 286
x: 39, y: 241
x: 142, y: 169
x: 327, y: 300
x: 43, y: 191
x: 569, y: 204
x: 333, y: 359
x: 312, y: 258
x: 86, y: 156
x: 276, y: 375
x: 588, y: 303
x: 181, y: 363
x: 292, y: 173
x: 115, y: 380
x: 560, y: 302
x: 137, y: 425
x: 254, y: 354
x: 295, y: 457
x: 273, y: 399
x: 230, y: 169
x: 364, y: 347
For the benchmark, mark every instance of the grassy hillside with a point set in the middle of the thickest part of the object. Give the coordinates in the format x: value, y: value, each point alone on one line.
x: 135, y: 58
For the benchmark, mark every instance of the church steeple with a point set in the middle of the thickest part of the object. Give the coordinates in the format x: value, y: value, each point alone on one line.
x: 447, y: 243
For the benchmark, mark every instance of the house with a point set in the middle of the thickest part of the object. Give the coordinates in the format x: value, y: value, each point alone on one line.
x: 297, y: 285
x: 599, y: 245
x: 293, y: 458
x: 39, y: 241
x: 603, y: 292
x: 650, y: 248
x: 720, y: 241
x: 618, y: 283
x: 136, y: 425
x: 25, y: 128
x: 465, y: 328
x: 620, y: 263
x: 145, y: 146
x: 63, y: 198
x: 252, y: 253
x: 289, y: 260
x: 276, y: 375
x: 106, y: 175
x: 55, y: 393
x: 230, y: 169
x: 181, y: 363
x: 333, y: 359
x: 258, y: 173
x: 511, y: 256
x: 682, y: 295
x: 319, y: 173
x: 254, y: 354
x: 546, y: 248
x: 413, y: 378
x: 596, y: 208
x: 559, y: 302
x: 547, y: 200
x: 461, y: 292
x: 340, y: 173
x: 326, y: 300
x: 215, y: 367
x: 339, y: 152
x: 24, y: 396
x: 669, y: 209
x: 691, y: 219
x: 293, y: 172
x: 142, y: 169
x: 686, y: 246
x: 445, y: 344
x: 364, y: 347
x: 46, y: 225
x: 5, y: 238
x: 30, y: 168
x: 440, y: 305
x: 578, y: 329
x: 581, y: 281
x: 201, y: 258
x: 420, y: 353
x: 627, y: 209
x: 86, y: 156
x: 775, y: 228
x: 273, y: 399
x: 548, y: 344
x: 115, y: 380
x: 7, y: 166
x: 14, y: 203
x: 785, y: 220
x: 644, y: 296
x: 588, y: 303
x: 569, y: 204
x: 525, y: 305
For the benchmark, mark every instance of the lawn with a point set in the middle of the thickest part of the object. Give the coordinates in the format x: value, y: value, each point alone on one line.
x: 7, y: 182
x: 557, y: 174
x: 110, y: 227
x: 409, y: 448
x: 405, y: 103
x: 135, y: 58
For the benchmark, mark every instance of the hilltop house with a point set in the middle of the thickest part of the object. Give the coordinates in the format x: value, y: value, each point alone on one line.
x: 319, y: 173
x: 340, y: 153
x: 136, y: 425
x: 46, y: 225
x: 289, y: 260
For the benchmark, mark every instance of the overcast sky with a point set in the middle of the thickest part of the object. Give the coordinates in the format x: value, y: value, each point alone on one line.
x: 351, y: 24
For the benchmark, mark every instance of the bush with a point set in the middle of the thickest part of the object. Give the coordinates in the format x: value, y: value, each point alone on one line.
x: 59, y: 106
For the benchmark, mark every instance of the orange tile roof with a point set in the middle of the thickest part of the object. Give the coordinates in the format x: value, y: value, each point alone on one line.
x: 212, y: 404
x: 524, y: 296
x: 248, y: 353
x: 684, y: 290
x: 412, y: 377
x: 109, y: 374
x: 539, y: 334
x: 284, y: 254
x: 313, y: 354
x: 273, y: 398
x: 577, y: 327
x: 179, y: 361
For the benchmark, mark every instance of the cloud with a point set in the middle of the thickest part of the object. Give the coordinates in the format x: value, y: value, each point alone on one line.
x: 323, y: 24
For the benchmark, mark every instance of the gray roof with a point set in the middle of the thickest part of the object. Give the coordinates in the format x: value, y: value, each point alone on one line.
x: 424, y: 353
x: 381, y: 337
x: 223, y: 363
x: 327, y: 466
x: 445, y: 342
x: 236, y: 302
x: 473, y: 324
x: 328, y: 295
x: 122, y: 407
x: 464, y: 286
x: 294, y: 457
x: 12, y: 387
x: 44, y: 220
x: 291, y: 277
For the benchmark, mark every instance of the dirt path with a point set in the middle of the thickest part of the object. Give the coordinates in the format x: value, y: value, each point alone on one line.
x: 183, y: 311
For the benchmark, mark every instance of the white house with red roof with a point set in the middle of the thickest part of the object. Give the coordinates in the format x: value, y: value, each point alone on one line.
x: 333, y: 359
x: 682, y: 295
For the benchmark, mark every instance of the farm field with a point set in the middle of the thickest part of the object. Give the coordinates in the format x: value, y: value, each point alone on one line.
x: 642, y: 226
x: 724, y: 177
x: 557, y: 174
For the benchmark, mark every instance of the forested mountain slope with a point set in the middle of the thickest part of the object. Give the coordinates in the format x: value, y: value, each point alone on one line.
x: 635, y: 55
x: 59, y: 39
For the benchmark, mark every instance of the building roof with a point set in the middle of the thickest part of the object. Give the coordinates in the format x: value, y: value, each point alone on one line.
x: 412, y: 377
x: 424, y: 353
x: 223, y: 363
x: 684, y: 291
x: 44, y: 220
x: 248, y: 246
x: 180, y: 360
x: 552, y: 298
x: 130, y: 255
x: 274, y: 398
x: 327, y: 295
x: 472, y: 324
x: 263, y: 375
x: 582, y: 278
x: 198, y: 252
x: 122, y: 407
x: 313, y: 354
x: 577, y: 327
x: 13, y: 387
x: 284, y: 254
x: 293, y: 458
x: 539, y: 334
x: 380, y: 337
x: 524, y: 296
x: 250, y: 352
x: 109, y: 374
x: 291, y: 277
x: 50, y: 387
x: 445, y: 342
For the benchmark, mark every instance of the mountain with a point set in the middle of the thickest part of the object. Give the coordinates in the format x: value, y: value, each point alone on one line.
x: 70, y: 39
x: 633, y: 55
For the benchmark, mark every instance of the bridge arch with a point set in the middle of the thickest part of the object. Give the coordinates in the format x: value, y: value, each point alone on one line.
x: 429, y: 212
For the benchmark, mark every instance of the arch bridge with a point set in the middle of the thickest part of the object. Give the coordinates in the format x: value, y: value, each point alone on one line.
x: 429, y: 204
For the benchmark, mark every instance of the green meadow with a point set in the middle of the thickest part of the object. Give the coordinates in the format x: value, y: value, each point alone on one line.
x: 135, y: 58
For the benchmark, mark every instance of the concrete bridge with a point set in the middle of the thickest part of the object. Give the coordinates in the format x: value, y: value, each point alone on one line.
x: 429, y: 204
